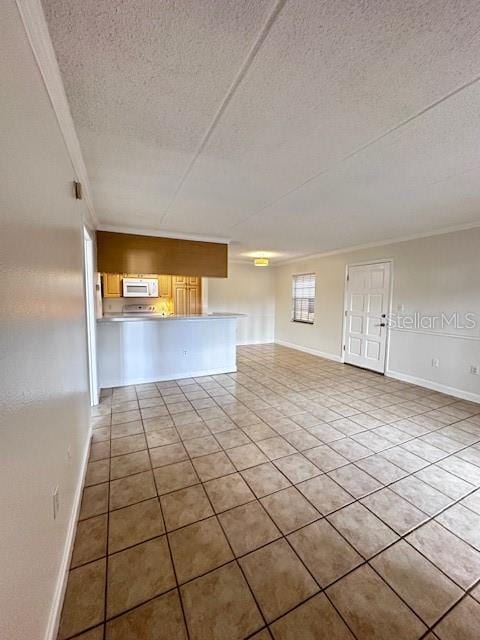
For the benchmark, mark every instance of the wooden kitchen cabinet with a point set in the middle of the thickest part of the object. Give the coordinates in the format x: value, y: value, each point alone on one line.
x: 187, y: 295
x: 185, y: 290
x: 112, y: 285
x: 165, y: 286
x: 194, y: 303
x: 144, y: 276
x: 180, y: 300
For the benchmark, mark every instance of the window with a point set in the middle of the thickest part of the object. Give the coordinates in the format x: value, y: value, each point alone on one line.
x: 303, y: 295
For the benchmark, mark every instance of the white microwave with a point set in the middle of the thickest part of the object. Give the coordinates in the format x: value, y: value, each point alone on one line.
x: 140, y: 288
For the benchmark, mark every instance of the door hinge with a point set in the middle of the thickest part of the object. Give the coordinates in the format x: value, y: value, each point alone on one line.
x: 344, y: 347
x: 348, y: 277
x: 77, y: 187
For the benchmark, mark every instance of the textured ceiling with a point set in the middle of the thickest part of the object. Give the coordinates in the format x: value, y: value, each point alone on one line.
x: 294, y: 127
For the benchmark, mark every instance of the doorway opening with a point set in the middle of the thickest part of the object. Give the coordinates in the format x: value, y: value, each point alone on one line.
x: 367, y: 306
x: 90, y: 285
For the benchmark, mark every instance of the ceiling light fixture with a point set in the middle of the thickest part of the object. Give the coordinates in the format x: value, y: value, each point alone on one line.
x: 261, y: 262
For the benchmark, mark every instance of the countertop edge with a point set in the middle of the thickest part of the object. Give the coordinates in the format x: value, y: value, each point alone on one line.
x: 193, y: 318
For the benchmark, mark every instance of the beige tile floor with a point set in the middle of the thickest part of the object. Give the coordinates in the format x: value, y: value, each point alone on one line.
x: 295, y: 499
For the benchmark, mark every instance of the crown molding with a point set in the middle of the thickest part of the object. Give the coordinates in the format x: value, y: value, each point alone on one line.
x: 33, y: 18
x: 380, y: 243
x: 158, y: 233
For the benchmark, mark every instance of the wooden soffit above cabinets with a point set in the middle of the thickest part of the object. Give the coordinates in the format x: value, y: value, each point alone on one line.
x: 129, y: 253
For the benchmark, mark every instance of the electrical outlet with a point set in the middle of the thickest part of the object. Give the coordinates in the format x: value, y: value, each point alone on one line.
x: 475, y: 369
x: 56, y: 502
x: 435, y: 362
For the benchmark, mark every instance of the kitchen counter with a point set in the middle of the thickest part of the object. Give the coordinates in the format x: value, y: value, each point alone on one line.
x: 139, y: 348
x: 137, y: 317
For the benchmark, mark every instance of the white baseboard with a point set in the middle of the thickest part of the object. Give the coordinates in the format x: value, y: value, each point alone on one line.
x: 421, y: 382
x: 313, y: 352
x: 108, y: 384
x: 434, y: 386
x: 56, y: 610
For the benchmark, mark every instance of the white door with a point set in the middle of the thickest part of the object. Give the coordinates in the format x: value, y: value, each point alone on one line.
x: 367, y: 306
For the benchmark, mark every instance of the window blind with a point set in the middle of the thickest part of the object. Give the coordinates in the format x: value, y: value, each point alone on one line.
x: 303, y: 298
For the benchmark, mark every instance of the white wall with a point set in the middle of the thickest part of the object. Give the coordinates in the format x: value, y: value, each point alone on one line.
x: 43, y: 377
x: 249, y: 290
x: 431, y: 275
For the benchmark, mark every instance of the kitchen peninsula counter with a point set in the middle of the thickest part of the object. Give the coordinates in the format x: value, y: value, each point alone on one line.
x: 139, y: 317
x: 142, y: 348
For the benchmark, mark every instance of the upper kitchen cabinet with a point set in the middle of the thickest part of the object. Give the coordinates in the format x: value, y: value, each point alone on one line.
x: 165, y: 286
x: 112, y: 285
x: 140, y: 275
x: 131, y: 253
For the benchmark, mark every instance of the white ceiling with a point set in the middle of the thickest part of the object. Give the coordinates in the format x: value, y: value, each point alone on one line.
x: 293, y: 127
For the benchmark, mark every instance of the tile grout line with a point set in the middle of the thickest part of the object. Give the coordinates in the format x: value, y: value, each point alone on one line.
x: 177, y: 587
x: 234, y: 556
x: 107, y: 540
x: 429, y: 464
x: 387, y: 485
x: 284, y: 536
x: 370, y: 493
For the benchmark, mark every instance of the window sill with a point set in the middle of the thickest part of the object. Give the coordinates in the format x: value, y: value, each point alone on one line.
x: 302, y: 322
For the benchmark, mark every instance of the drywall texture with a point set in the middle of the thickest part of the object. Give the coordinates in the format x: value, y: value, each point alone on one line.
x: 263, y: 120
x: 249, y: 290
x: 430, y: 276
x: 43, y: 377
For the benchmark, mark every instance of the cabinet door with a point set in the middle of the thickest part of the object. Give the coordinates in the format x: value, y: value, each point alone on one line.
x: 142, y: 276
x: 179, y: 280
x: 180, y: 301
x: 193, y: 300
x: 193, y: 281
x: 112, y: 285
x: 165, y: 286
